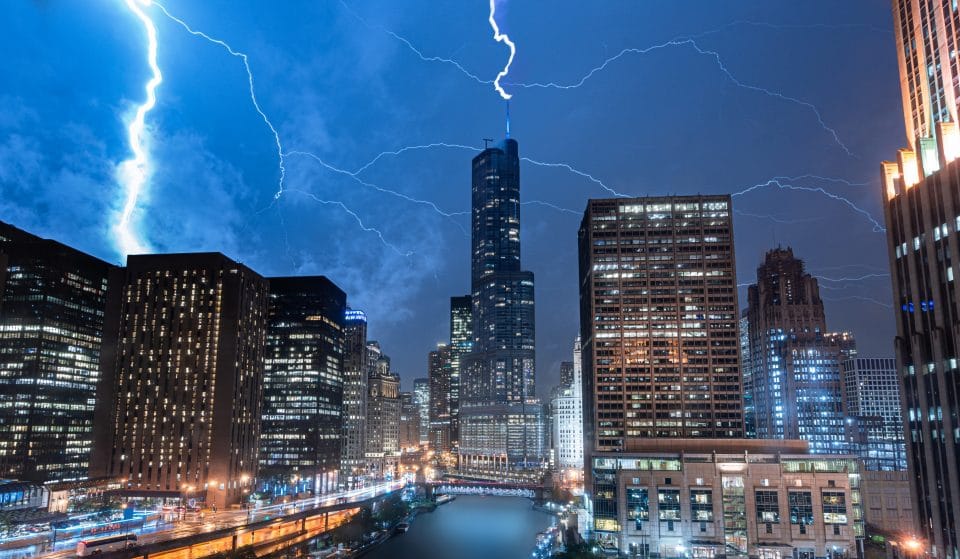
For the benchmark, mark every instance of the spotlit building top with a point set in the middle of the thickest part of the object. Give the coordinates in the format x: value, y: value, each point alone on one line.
x: 355, y: 315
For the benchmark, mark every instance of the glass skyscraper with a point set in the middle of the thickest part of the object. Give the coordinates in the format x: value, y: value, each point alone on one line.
x: 497, y: 377
x: 54, y: 337
x: 302, y: 423
x: 355, y: 385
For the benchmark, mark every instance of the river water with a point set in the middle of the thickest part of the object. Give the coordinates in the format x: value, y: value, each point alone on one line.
x: 470, y: 527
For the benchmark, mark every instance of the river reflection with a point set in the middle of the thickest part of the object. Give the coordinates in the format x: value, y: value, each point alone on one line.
x: 470, y: 527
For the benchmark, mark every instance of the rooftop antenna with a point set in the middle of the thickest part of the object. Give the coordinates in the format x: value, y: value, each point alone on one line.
x: 508, y: 120
x: 486, y: 143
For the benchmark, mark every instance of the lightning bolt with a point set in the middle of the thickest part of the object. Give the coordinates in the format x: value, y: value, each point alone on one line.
x: 551, y: 206
x: 860, y: 298
x: 778, y: 182
x: 857, y: 278
x: 353, y: 175
x: 776, y: 219
x: 281, y: 154
x: 250, y: 82
x: 565, y: 166
x: 683, y: 42
x: 133, y: 173
x: 501, y: 38
x: 357, y: 218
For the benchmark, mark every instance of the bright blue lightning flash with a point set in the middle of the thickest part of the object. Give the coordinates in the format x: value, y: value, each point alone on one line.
x: 133, y: 173
x: 501, y: 38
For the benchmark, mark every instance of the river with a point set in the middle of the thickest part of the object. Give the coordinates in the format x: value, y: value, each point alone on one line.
x: 470, y: 527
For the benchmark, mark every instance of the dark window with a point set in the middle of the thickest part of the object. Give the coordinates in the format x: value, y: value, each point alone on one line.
x: 638, y: 505
x: 801, y: 508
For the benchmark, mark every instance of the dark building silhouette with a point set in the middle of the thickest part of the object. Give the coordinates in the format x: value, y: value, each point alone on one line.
x: 497, y: 377
x: 302, y: 424
x: 186, y: 394
x: 409, y: 421
x: 54, y: 339
x: 355, y: 386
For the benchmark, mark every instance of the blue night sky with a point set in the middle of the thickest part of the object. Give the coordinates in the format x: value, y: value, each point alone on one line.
x: 337, y: 83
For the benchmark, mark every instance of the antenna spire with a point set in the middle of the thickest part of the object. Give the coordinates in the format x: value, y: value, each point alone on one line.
x: 508, y: 120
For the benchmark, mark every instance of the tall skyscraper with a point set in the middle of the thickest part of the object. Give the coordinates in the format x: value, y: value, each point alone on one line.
x: 54, y: 340
x: 189, y: 374
x: 658, y: 321
x: 872, y: 395
x: 749, y: 410
x: 922, y: 214
x: 440, y: 369
x: 461, y: 343
x: 497, y: 377
x: 567, y: 408
x: 421, y: 394
x: 383, y: 413
x: 927, y: 38
x: 302, y: 423
x: 355, y: 387
x: 795, y: 363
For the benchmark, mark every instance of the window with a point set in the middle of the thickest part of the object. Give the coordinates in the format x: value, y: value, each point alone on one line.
x: 834, y: 507
x: 768, y: 507
x: 801, y: 507
x: 638, y: 505
x: 669, y: 504
x: 701, y: 505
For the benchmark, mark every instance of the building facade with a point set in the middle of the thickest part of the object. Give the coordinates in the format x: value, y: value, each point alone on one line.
x: 421, y: 395
x: 383, y: 414
x: 723, y: 498
x: 922, y: 212
x: 499, y: 370
x: 872, y: 395
x: 658, y: 321
x: 749, y: 410
x: 188, y: 381
x: 302, y: 423
x: 567, y: 406
x: 795, y: 387
x: 440, y: 369
x: 461, y: 343
x: 54, y: 339
x: 409, y: 421
x: 353, y: 461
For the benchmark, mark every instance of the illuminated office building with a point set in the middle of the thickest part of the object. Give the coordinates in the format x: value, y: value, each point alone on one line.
x: 188, y: 380
x: 461, y: 343
x: 355, y: 386
x: 658, y: 321
x: 872, y: 395
x: 796, y: 387
x: 421, y: 395
x: 440, y: 370
x: 497, y: 377
x: 302, y: 424
x: 54, y: 339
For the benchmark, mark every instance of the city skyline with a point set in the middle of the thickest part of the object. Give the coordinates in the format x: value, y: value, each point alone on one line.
x: 240, y: 181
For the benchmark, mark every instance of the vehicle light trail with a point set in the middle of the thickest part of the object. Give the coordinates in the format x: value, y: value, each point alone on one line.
x: 133, y: 173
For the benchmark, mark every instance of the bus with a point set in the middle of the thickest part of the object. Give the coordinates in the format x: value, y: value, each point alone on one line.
x: 110, y: 543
